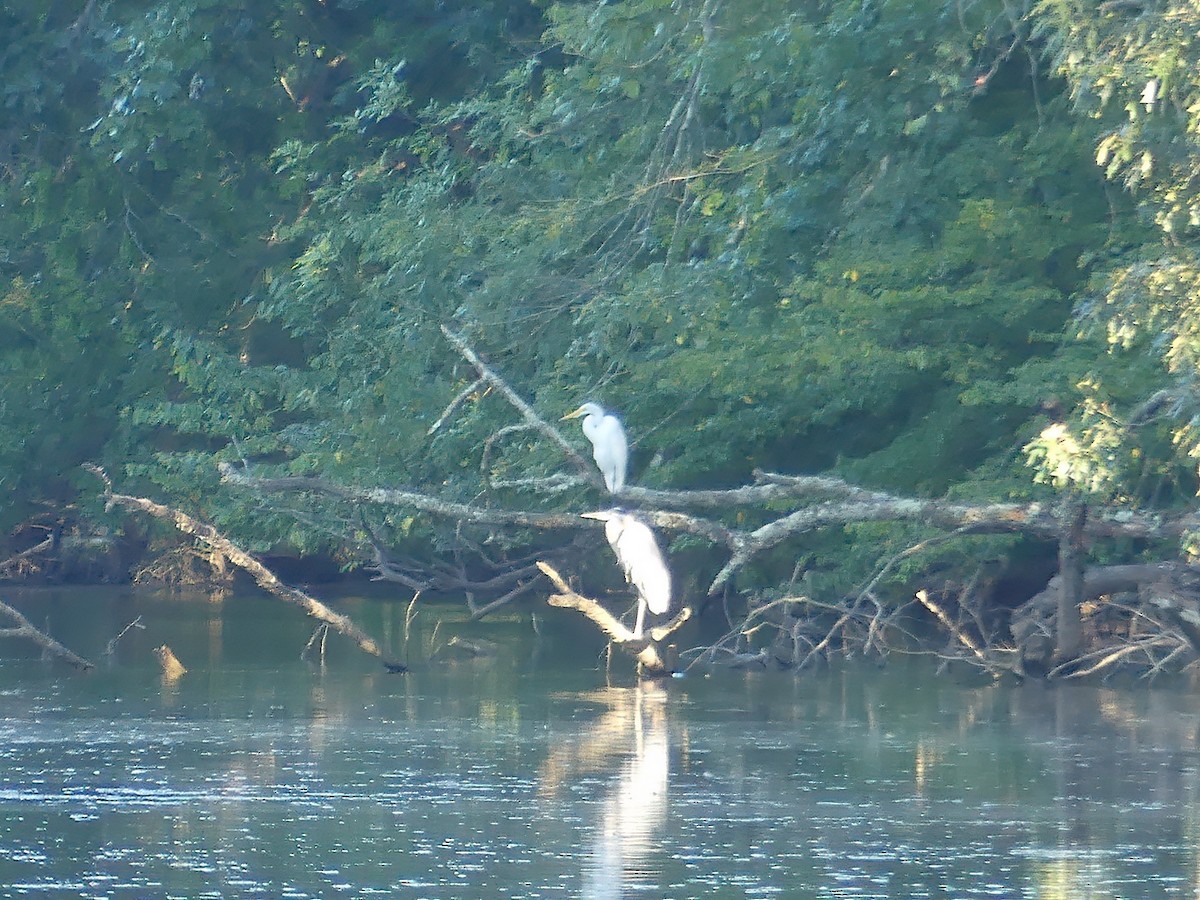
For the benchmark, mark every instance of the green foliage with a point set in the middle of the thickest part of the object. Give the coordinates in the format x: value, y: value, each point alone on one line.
x: 794, y: 240
x: 804, y: 237
x: 142, y: 207
x: 1133, y: 67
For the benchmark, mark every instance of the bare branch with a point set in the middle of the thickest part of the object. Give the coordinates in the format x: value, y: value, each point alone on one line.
x: 263, y: 576
x: 961, y: 636
x: 25, y: 629
x: 526, y: 411
x: 650, y: 661
x: 521, y: 589
x: 41, y: 547
x: 392, y: 497
x: 454, y: 405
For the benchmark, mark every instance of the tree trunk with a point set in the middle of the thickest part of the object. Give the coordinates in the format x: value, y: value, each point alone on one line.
x: 1069, y: 626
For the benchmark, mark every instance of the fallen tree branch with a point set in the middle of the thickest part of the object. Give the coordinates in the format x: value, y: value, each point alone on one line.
x: 487, y: 609
x: 111, y: 648
x: 650, y: 661
x: 916, y: 548
x: 40, y: 547
x: 1106, y: 657
x: 454, y: 405
x: 1039, y: 519
x: 820, y: 647
x: 447, y: 509
x: 24, y: 629
x: 961, y: 636
x: 1032, y: 623
x: 262, y: 576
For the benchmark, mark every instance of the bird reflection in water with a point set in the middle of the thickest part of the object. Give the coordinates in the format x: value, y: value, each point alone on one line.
x: 633, y: 735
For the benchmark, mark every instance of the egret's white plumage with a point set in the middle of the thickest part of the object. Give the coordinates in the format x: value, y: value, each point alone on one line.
x: 609, y: 447
x: 637, y: 551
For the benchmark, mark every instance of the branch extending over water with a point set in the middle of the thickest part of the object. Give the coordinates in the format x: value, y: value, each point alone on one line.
x: 850, y: 505
x: 25, y: 629
x: 781, y: 507
x: 264, y: 577
x: 650, y: 660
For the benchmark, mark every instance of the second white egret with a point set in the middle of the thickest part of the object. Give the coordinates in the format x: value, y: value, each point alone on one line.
x: 637, y: 551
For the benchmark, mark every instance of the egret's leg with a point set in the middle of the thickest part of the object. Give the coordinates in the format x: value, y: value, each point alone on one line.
x: 641, y: 618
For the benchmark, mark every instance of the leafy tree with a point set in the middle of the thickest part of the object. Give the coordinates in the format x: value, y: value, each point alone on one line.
x: 791, y: 238
x: 142, y: 205
x: 1132, y: 67
x: 844, y: 236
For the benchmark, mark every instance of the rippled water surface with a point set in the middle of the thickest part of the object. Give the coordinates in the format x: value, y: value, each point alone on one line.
x: 529, y: 774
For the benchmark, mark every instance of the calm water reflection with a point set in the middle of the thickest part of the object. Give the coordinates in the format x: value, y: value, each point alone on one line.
x: 526, y: 775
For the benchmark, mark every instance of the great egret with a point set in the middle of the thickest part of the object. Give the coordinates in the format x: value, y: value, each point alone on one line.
x: 637, y: 551
x: 609, y: 447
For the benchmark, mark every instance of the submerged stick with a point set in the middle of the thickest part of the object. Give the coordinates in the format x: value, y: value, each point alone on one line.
x: 263, y: 577
x: 112, y: 645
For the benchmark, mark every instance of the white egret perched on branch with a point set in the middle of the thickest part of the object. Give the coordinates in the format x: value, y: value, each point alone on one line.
x: 609, y: 447
x: 637, y: 551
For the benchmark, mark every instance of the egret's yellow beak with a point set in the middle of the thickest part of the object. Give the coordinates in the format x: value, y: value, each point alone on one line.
x: 572, y: 415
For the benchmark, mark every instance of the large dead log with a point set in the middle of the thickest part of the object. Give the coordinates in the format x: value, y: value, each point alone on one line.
x: 855, y: 506
x: 262, y: 576
x: 1033, y: 624
x: 25, y: 629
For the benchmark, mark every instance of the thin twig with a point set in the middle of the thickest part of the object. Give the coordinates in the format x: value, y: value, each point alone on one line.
x: 454, y: 404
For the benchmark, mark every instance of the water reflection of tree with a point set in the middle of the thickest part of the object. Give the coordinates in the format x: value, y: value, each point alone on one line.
x: 631, y: 737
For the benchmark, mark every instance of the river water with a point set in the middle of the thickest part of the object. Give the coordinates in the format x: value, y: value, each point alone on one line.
x: 532, y: 773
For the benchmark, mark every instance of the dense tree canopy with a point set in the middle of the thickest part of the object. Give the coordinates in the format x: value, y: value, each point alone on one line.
x: 916, y: 244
